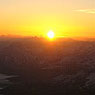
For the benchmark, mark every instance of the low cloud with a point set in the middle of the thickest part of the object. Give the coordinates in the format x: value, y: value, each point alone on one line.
x: 89, y: 11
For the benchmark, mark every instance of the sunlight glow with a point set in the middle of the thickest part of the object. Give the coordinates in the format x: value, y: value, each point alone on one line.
x: 50, y: 34
x: 37, y: 17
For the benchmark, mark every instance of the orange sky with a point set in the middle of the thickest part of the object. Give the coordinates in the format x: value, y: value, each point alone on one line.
x: 36, y: 17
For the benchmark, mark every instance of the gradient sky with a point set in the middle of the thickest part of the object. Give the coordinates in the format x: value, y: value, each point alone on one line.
x: 36, y: 17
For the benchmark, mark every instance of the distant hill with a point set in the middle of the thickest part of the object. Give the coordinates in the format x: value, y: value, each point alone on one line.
x: 84, y: 38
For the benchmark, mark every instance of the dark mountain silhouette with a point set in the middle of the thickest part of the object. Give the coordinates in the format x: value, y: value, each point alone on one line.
x: 62, y: 67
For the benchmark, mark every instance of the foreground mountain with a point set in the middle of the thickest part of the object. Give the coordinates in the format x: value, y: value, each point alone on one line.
x: 62, y: 67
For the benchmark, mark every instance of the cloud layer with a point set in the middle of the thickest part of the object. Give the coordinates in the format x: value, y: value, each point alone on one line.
x: 89, y: 11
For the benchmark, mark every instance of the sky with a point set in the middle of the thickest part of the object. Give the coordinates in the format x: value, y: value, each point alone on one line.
x: 72, y: 18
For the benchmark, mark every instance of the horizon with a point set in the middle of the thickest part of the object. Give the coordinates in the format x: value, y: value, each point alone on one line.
x: 47, y: 39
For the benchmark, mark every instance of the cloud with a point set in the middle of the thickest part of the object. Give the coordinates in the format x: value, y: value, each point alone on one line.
x: 89, y: 11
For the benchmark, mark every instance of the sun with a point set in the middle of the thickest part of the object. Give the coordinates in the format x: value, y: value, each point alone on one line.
x: 51, y: 34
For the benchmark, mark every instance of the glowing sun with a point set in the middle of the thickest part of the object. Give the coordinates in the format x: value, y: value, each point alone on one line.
x: 50, y: 34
